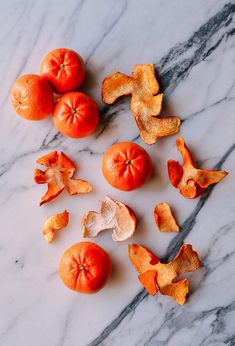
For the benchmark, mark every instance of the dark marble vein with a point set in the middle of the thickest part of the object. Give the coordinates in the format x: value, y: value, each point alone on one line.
x: 174, y: 67
x: 230, y: 341
x: 115, y: 323
x: 108, y: 113
x: 212, y: 105
x: 187, y: 319
x: 56, y: 137
x: 204, y: 41
x: 172, y: 250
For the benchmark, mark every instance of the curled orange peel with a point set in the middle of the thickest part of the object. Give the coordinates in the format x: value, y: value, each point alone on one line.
x: 58, y: 176
x: 164, y: 218
x: 191, y: 182
x: 142, y: 85
x: 145, y: 104
x: 55, y: 223
x: 156, y: 276
x: 113, y: 215
x: 151, y: 128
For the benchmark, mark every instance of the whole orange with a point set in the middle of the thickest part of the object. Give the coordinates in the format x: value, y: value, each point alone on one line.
x: 64, y: 69
x: 32, y: 97
x: 126, y: 166
x: 85, y: 267
x: 75, y: 114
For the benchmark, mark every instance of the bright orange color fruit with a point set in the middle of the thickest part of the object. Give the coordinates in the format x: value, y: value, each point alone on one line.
x: 64, y: 69
x: 85, y: 267
x: 126, y: 166
x: 32, y: 97
x: 75, y: 114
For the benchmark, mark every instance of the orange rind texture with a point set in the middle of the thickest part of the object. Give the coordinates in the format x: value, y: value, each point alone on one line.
x: 113, y: 215
x: 147, y: 263
x: 146, y: 103
x: 55, y: 223
x: 58, y: 176
x: 152, y: 128
x: 143, y: 87
x: 149, y: 281
x: 190, y: 181
x: 164, y: 218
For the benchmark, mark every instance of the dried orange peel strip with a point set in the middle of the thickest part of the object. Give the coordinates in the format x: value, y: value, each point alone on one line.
x: 58, y: 176
x: 55, y: 223
x: 147, y: 263
x: 152, y: 128
x: 143, y: 87
x: 164, y: 218
x: 113, y: 215
x: 146, y: 103
x: 191, y: 182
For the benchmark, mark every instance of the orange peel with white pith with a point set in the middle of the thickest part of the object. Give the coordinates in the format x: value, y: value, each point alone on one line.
x: 156, y: 276
x: 164, y: 218
x: 190, y: 181
x: 58, y: 176
x: 113, y: 215
x: 146, y: 102
x: 55, y: 223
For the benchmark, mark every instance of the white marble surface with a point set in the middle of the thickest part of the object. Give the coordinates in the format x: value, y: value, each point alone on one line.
x: 192, y: 44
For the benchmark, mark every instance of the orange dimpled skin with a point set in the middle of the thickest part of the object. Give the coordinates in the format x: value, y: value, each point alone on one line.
x: 85, y: 267
x: 32, y: 97
x: 64, y: 69
x: 75, y: 115
x: 126, y: 166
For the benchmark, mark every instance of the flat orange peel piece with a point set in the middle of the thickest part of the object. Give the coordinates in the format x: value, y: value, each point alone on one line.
x: 187, y: 260
x: 113, y: 215
x: 55, y: 223
x: 58, y: 176
x: 148, y: 280
x: 164, y: 218
x: 190, y: 181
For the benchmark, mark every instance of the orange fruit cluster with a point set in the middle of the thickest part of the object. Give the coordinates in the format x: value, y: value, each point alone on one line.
x: 74, y: 114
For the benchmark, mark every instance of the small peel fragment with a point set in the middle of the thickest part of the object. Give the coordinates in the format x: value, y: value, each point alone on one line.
x: 146, y: 263
x: 113, y: 215
x: 164, y: 218
x: 146, y: 102
x: 151, y: 128
x: 55, y: 223
x: 177, y: 290
x: 58, y: 176
x: 148, y: 280
x: 190, y: 181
